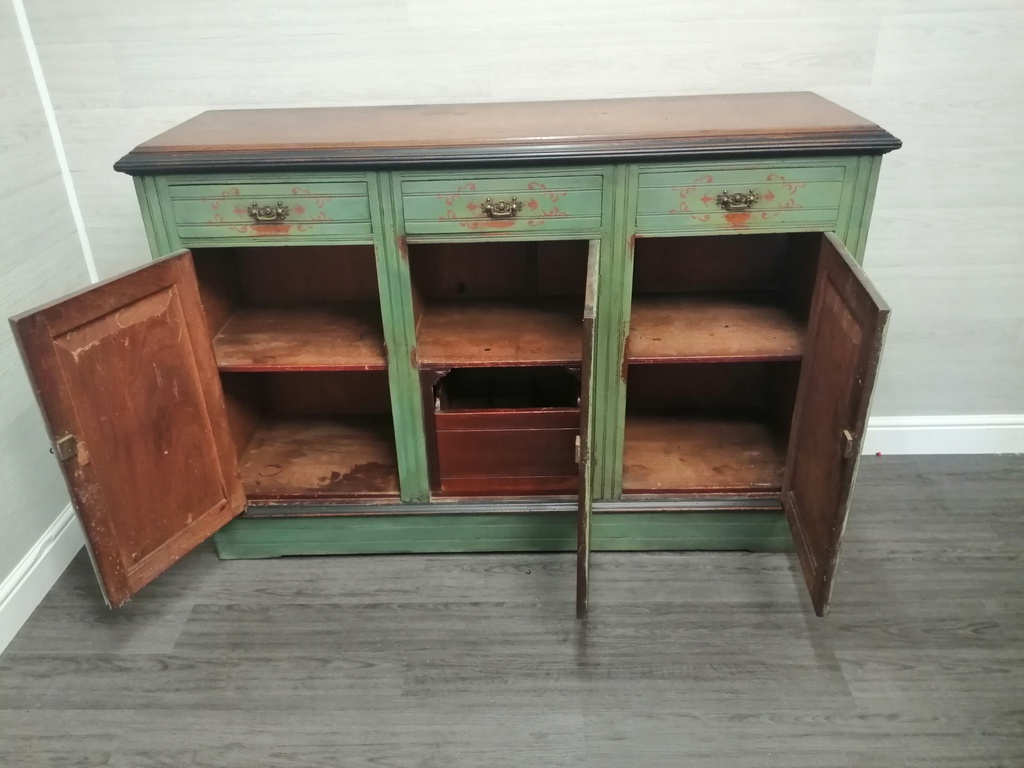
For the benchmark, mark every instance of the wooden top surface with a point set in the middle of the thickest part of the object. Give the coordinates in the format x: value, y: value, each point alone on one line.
x: 615, y: 129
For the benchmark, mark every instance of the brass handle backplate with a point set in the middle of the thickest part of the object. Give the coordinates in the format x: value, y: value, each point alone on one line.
x: 267, y: 213
x: 736, y: 201
x: 502, y: 209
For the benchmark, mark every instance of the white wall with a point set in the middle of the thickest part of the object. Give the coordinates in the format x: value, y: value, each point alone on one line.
x: 41, y: 257
x: 945, y: 76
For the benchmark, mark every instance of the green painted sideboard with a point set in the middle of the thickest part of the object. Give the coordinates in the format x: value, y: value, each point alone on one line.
x: 598, y: 325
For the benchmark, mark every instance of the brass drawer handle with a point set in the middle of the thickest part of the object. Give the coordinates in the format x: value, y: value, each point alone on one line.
x: 265, y: 213
x: 736, y: 201
x: 503, y: 209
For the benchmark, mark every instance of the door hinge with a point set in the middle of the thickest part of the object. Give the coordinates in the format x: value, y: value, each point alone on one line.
x: 66, y: 447
x: 849, y: 444
x: 577, y: 449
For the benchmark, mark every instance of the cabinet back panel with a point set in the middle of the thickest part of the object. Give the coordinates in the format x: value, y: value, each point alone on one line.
x: 325, y: 393
x: 506, y: 269
x: 230, y: 277
x: 321, y: 273
x: 721, y: 263
x: 698, y: 386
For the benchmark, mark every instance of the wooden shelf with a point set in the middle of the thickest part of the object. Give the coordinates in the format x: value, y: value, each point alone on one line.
x: 667, y: 452
x: 480, y: 332
x: 337, y: 337
x: 719, y: 327
x: 347, y: 457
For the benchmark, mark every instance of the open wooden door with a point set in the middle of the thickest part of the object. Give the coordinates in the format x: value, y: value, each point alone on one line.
x: 587, y: 378
x: 126, y: 378
x: 847, y: 327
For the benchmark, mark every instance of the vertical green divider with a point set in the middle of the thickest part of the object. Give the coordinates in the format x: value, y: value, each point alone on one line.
x: 869, y: 167
x: 848, y: 198
x: 160, y: 229
x: 626, y: 228
x: 612, y: 327
x: 160, y: 202
x: 147, y: 216
x: 400, y: 339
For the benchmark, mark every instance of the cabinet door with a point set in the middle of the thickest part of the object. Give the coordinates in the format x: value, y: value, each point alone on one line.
x: 587, y: 378
x: 847, y: 326
x: 125, y: 375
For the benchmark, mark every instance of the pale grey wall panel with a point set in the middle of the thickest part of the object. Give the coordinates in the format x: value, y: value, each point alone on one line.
x: 946, y: 77
x: 40, y: 258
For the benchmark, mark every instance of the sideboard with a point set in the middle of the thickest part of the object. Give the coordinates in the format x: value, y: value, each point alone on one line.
x: 630, y: 324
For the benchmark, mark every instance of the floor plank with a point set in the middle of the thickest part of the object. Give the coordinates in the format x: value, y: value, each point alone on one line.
x: 707, y: 659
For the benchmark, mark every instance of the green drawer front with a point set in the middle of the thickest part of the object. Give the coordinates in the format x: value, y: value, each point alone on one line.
x: 548, y: 204
x: 316, y: 210
x: 788, y: 197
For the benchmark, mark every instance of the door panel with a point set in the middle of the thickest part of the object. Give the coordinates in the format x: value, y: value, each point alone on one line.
x: 125, y: 375
x: 847, y: 327
x: 587, y: 378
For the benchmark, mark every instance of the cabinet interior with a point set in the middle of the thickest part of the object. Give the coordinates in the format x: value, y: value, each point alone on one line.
x: 299, y: 344
x: 293, y: 307
x: 532, y: 388
x: 717, y: 333
x: 499, y: 340
x: 498, y: 303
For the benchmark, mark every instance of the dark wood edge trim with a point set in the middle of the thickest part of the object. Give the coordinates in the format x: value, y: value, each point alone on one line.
x: 517, y: 506
x: 539, y: 506
x: 695, y: 504
x: 875, y: 142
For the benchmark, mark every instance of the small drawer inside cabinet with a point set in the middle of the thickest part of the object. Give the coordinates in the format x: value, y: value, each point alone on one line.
x: 487, y: 204
x: 510, y: 431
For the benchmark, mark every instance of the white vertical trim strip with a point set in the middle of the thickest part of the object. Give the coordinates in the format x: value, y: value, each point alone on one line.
x: 58, y: 145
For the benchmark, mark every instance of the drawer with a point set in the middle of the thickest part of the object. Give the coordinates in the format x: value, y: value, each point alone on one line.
x: 740, y: 197
x: 507, y: 431
x: 502, y: 204
x: 313, y: 210
x: 522, y: 451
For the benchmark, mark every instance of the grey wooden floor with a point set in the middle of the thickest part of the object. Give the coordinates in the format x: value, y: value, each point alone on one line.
x: 688, y: 659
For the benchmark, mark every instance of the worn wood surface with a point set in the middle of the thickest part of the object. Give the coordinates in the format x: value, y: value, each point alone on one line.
x: 719, y: 327
x: 561, y: 130
x: 331, y: 337
x: 703, y: 659
x: 125, y: 371
x: 847, y: 327
x: 497, y: 332
x: 350, y: 457
x: 681, y: 453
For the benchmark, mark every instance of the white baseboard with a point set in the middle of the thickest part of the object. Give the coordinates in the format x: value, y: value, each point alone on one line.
x: 1000, y: 433
x: 26, y: 586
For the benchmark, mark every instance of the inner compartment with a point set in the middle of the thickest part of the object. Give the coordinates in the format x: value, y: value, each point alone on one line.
x: 498, y: 303
x: 722, y: 297
x: 508, y: 388
x: 313, y: 435
x: 509, y: 430
x: 708, y: 427
x: 304, y: 308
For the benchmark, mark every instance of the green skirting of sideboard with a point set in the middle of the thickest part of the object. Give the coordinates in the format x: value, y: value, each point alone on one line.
x: 251, y: 538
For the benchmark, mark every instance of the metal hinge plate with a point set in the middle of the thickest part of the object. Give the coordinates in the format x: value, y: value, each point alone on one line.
x: 849, y: 444
x: 66, y: 447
